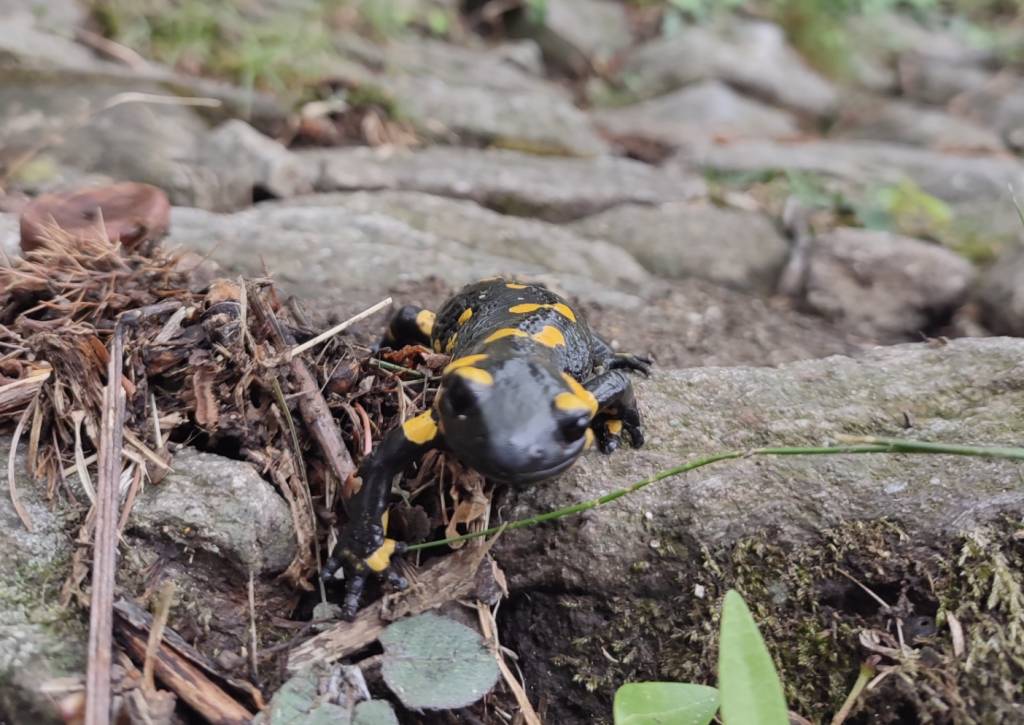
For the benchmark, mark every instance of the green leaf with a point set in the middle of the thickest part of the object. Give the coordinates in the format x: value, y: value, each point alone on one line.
x: 436, y: 663
x: 748, y: 684
x: 664, y: 703
x: 374, y: 712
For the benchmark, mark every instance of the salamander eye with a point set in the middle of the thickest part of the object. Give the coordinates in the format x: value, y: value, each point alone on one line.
x: 572, y: 427
x: 459, y: 398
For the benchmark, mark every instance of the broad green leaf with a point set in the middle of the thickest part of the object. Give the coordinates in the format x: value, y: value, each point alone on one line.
x: 436, y: 663
x: 748, y: 684
x: 664, y: 703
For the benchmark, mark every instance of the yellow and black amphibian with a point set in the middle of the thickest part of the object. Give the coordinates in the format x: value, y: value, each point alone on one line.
x: 528, y: 389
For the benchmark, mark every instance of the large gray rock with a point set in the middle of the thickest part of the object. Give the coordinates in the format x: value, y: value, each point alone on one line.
x: 935, y: 81
x: 219, y: 506
x: 330, y: 251
x: 445, y: 91
x: 739, y: 249
x: 259, y: 165
x: 966, y: 391
x: 951, y: 177
x: 1001, y: 294
x: 620, y: 584
x: 554, y: 189
x: 750, y: 55
x: 41, y: 643
x: 578, y: 35
x: 528, y: 240
x: 701, y: 110
x: 884, y: 285
x: 998, y: 104
x: 906, y: 123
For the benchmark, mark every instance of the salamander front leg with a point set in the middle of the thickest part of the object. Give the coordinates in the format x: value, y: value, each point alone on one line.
x: 617, y: 410
x: 364, y: 548
x: 607, y: 358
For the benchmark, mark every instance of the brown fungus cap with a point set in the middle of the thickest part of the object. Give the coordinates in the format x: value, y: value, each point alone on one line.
x: 127, y: 211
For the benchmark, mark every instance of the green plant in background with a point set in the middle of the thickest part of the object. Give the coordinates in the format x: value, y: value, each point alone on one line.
x: 749, y: 690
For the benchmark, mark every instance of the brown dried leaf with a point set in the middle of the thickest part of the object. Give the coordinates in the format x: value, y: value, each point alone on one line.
x: 207, y: 409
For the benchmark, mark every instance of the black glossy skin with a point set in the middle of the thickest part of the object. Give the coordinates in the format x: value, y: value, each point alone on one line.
x: 526, y: 409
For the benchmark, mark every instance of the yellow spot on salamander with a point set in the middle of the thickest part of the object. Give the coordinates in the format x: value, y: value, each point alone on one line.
x: 420, y: 429
x: 464, y: 362
x: 379, y: 560
x: 581, y: 392
x: 560, y: 307
x: 451, y: 343
x: 570, y: 403
x: 550, y: 336
x: 425, y: 321
x: 614, y: 427
x: 504, y: 332
x: 466, y: 314
x: 477, y: 375
x: 588, y: 442
x: 515, y: 285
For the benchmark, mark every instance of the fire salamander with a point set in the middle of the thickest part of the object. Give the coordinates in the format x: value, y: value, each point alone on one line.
x: 529, y: 387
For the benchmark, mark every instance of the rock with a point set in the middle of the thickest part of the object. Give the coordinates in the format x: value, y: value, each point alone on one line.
x: 546, y: 245
x: 578, y: 35
x: 220, y: 506
x: 62, y: 16
x: 446, y: 90
x: 42, y: 645
x: 1001, y: 294
x: 928, y: 80
x: 67, y: 118
x: 708, y: 109
x: 906, y: 123
x: 738, y: 249
x: 334, y: 253
x: 577, y: 583
x: 884, y: 285
x: 553, y: 189
x: 998, y: 104
x: 949, y: 176
x: 749, y: 55
x: 261, y: 166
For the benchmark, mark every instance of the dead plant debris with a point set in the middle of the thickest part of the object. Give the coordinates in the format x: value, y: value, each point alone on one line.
x: 213, y: 367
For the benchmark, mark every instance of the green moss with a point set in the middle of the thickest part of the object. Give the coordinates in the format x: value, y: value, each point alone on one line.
x: 812, y: 613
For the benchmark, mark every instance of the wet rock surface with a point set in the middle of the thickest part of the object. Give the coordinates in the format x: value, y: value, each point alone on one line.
x: 648, y: 545
x: 42, y: 645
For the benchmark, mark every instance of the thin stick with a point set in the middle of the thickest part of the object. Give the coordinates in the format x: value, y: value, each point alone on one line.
x: 254, y: 649
x: 11, y: 485
x: 156, y: 634
x: 101, y: 606
x: 879, y: 445
x: 337, y: 328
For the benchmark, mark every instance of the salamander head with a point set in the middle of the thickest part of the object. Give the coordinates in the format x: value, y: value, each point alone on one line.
x: 515, y: 419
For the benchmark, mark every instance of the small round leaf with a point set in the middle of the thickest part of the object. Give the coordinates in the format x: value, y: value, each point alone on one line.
x: 431, y: 662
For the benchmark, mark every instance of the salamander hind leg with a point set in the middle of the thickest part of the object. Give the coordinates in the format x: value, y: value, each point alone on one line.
x: 606, y: 358
x: 410, y: 325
